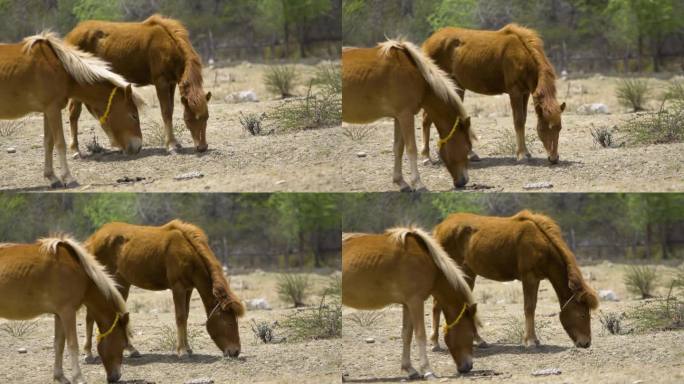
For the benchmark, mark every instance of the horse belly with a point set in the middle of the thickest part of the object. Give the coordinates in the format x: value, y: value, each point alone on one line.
x: 478, y: 72
x: 492, y: 262
x: 146, y: 272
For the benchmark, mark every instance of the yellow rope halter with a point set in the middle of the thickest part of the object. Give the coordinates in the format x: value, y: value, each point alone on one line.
x: 458, y: 318
x: 449, y: 136
x: 109, y: 331
x: 105, y: 116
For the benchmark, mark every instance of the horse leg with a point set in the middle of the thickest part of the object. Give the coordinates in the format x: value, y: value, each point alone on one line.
x: 68, y: 319
x: 58, y: 371
x: 398, y: 176
x: 530, y: 288
x: 406, y: 337
x: 436, y: 312
x: 48, y: 146
x: 416, y: 311
x: 407, y: 126
x: 57, y: 130
x: 519, y: 108
x: 179, y: 301
x: 165, y: 92
x: 124, y: 290
x: 470, y: 277
x: 425, y: 152
x: 88, y: 346
x: 75, y: 108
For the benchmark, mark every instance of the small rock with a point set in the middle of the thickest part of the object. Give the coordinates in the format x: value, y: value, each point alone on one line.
x: 201, y: 380
x: 538, y: 185
x: 258, y: 303
x: 11, y: 150
x: 547, y: 372
x: 638, y: 382
x: 242, y: 97
x: 22, y: 350
x: 370, y: 340
x: 593, y: 109
x: 607, y: 295
x: 361, y: 154
x: 189, y: 175
x: 280, y: 182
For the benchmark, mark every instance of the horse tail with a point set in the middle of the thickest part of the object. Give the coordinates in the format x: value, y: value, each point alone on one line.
x: 445, y: 263
x: 200, y: 243
x: 438, y: 80
x: 95, y: 271
x: 552, y: 232
x: 192, y: 73
x: 546, y: 83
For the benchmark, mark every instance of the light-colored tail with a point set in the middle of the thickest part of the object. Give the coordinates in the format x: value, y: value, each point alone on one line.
x: 440, y: 83
x: 82, y: 66
x: 91, y: 266
x: 446, y: 264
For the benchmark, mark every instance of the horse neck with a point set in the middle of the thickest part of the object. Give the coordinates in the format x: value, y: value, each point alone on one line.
x: 450, y: 300
x: 96, y: 94
x: 557, y: 273
x: 202, y: 281
x: 443, y: 115
x: 101, y: 308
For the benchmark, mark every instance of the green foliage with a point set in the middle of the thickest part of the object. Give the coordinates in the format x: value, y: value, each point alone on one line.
x: 329, y: 77
x: 661, y: 127
x: 658, y: 314
x: 315, y: 110
x: 321, y: 322
x: 633, y: 93
x: 293, y: 288
x: 450, y: 13
x: 641, y: 280
x: 97, y: 10
x: 281, y: 80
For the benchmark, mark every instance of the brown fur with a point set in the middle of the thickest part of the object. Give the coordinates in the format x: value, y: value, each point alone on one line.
x: 57, y: 275
x: 41, y: 73
x: 156, y: 51
x: 405, y: 266
x: 527, y: 247
x: 510, y: 60
x: 173, y: 256
x: 395, y: 79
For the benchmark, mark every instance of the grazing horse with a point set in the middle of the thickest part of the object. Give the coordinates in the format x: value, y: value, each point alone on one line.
x: 57, y: 275
x: 156, y: 51
x: 174, y: 256
x: 405, y: 266
x: 510, y: 60
x: 395, y: 79
x: 527, y: 247
x: 41, y: 73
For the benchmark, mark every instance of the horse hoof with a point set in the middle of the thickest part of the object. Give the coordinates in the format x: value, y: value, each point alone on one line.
x: 72, y: 184
x: 421, y: 189
x: 406, y: 189
x: 474, y: 157
x: 90, y: 359
x: 430, y: 376
x: 427, y: 161
x: 414, y: 376
x: 437, y: 348
x: 483, y: 344
x: 135, y: 354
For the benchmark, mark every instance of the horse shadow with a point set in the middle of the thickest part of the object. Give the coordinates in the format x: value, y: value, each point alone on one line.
x: 111, y: 156
x: 516, y: 349
x: 492, y: 162
x: 170, y: 358
x: 474, y: 374
x: 394, y: 379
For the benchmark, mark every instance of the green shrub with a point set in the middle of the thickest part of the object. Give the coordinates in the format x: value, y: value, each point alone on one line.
x: 329, y: 77
x: 641, y: 280
x: 315, y: 110
x: 321, y: 322
x: 633, y: 93
x: 293, y: 288
x: 281, y: 80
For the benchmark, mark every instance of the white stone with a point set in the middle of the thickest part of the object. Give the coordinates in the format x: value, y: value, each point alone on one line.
x: 11, y: 150
x: 547, y: 372
x: 607, y: 295
x: 258, y: 303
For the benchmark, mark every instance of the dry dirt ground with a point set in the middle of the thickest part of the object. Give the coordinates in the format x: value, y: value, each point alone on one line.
x: 235, y: 162
x: 583, y: 165
x: 153, y: 323
x: 656, y: 357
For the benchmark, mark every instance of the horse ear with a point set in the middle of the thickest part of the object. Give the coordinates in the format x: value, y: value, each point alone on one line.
x: 208, y: 96
x: 562, y: 107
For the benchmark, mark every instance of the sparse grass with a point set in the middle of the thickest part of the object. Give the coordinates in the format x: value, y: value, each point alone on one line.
x: 641, y: 280
x: 164, y: 305
x: 155, y: 136
x: 334, y: 286
x: 633, y: 93
x: 611, y: 322
x: 315, y: 110
x: 484, y: 296
x: 602, y: 136
x: 507, y: 145
x: 514, y: 330
x: 658, y: 314
x: 366, y: 319
x: 251, y: 122
x: 262, y: 331
x: 674, y: 92
x: 476, y: 110
x: 166, y: 340
x: 281, y: 80
x: 512, y: 295
x: 18, y: 328
x: 662, y: 127
x: 328, y: 76
x: 357, y: 132
x: 321, y: 322
x: 10, y: 127
x: 93, y: 146
x: 293, y: 288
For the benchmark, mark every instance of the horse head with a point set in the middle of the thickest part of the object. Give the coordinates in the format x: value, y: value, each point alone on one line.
x: 459, y: 335
x: 549, y: 125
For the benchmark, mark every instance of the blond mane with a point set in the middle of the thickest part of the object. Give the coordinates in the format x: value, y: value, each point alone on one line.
x: 82, y: 66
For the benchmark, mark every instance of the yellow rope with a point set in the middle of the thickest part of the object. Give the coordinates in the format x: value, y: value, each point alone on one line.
x: 453, y: 324
x: 109, y: 331
x: 449, y: 136
x: 105, y: 116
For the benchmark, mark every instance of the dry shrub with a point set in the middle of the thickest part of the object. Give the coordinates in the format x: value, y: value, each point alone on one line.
x: 281, y: 80
x: 366, y: 319
x: 293, y: 288
x: 633, y: 93
x: 321, y: 322
x: 641, y: 280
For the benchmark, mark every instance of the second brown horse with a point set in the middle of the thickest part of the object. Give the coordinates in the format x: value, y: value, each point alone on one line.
x: 174, y: 256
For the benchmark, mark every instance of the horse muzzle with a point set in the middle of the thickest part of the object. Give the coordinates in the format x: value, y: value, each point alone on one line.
x: 231, y: 352
x: 461, y: 182
x: 114, y: 376
x: 202, y: 147
x: 134, y: 146
x: 583, y: 344
x: 554, y: 159
x: 466, y: 366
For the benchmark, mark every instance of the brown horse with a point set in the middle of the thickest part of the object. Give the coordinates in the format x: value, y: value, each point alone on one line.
x: 41, y: 73
x: 527, y: 247
x: 395, y: 79
x: 158, y: 52
x: 405, y: 266
x: 57, y: 275
x: 174, y: 256
x: 510, y: 60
